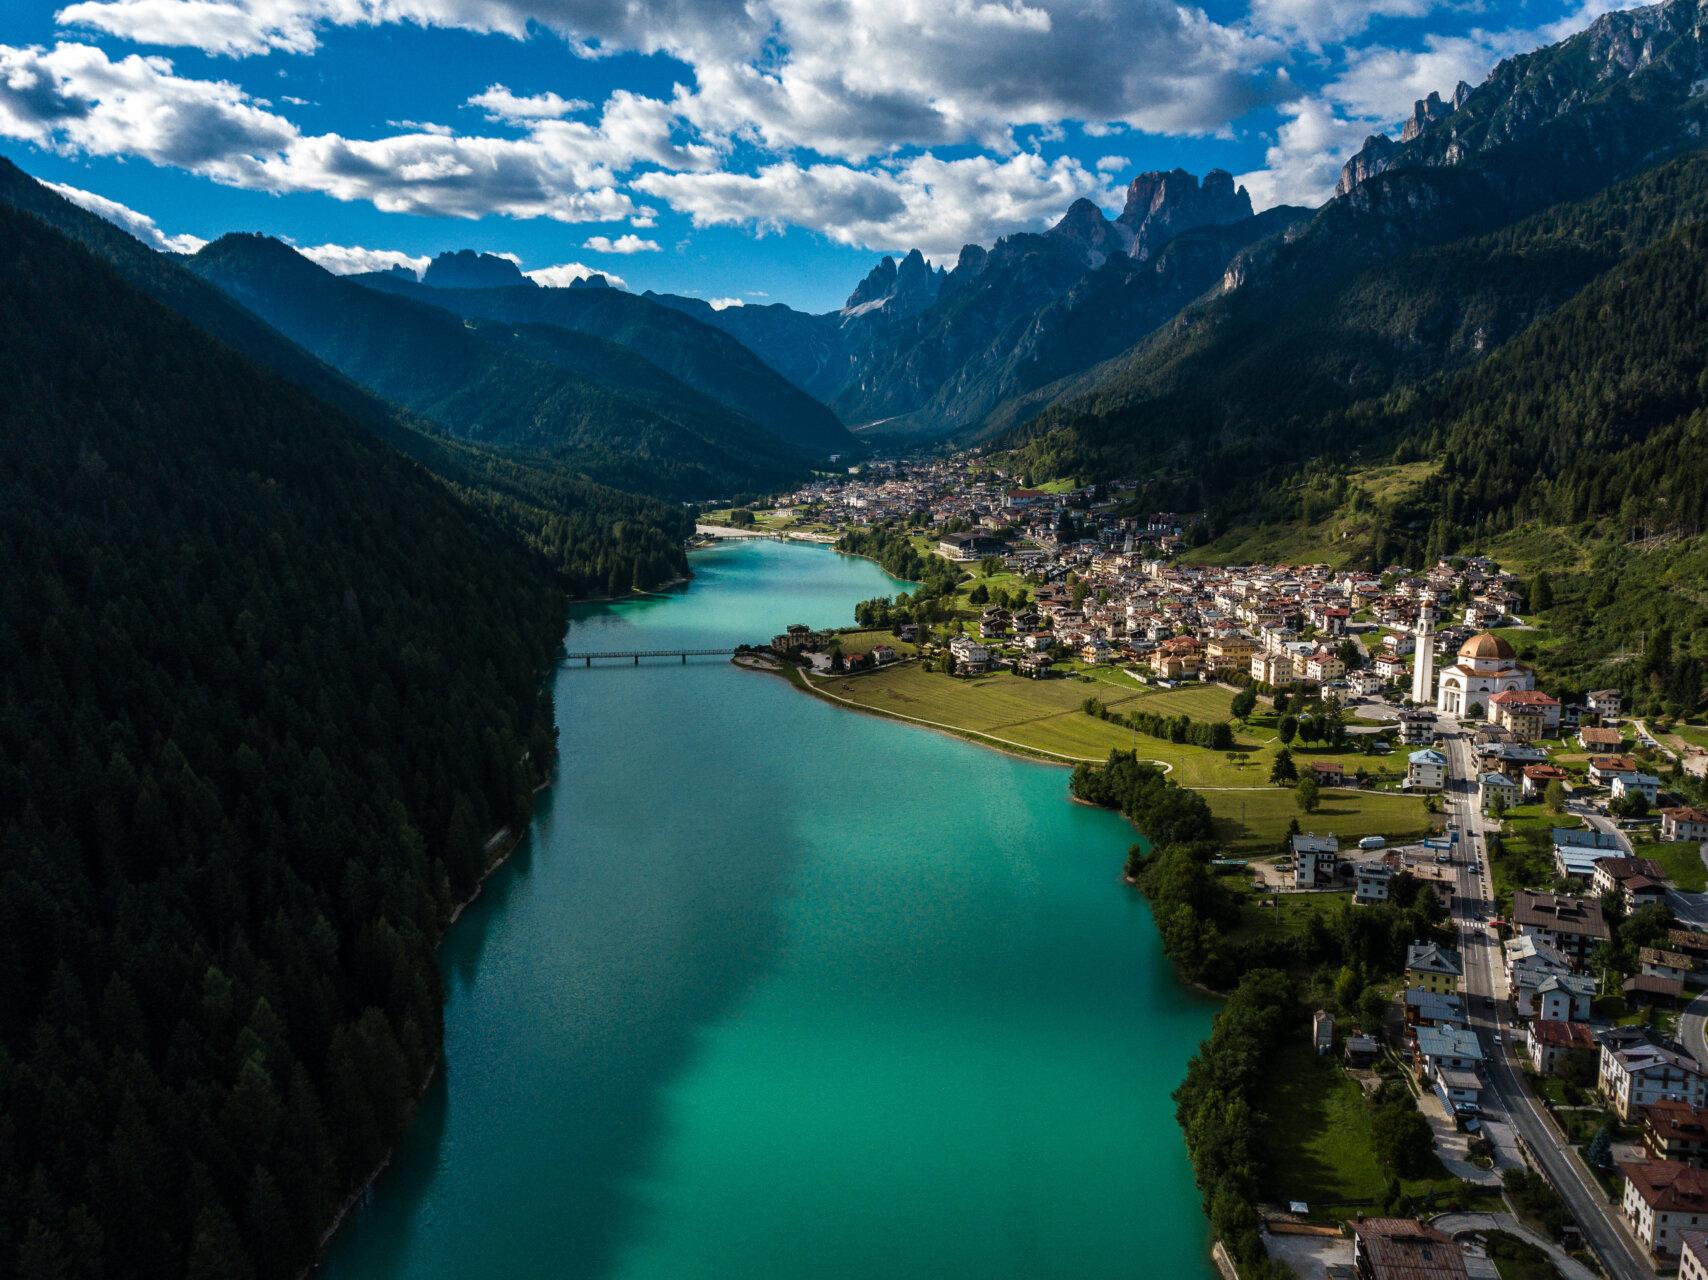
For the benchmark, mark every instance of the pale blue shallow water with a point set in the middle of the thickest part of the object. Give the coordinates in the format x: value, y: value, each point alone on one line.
x: 778, y: 991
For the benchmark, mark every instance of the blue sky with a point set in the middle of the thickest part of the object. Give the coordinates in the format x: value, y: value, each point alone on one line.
x: 747, y: 150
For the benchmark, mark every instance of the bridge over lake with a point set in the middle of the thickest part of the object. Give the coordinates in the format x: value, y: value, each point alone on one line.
x: 638, y: 654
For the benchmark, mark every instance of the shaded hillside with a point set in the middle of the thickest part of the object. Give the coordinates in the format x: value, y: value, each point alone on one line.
x: 600, y: 539
x: 266, y: 687
x: 430, y: 360
x: 705, y: 358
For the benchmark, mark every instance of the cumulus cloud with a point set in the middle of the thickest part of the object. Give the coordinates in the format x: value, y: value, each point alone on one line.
x: 567, y: 273
x: 1315, y: 21
x: 846, y: 78
x: 926, y: 203
x: 349, y: 260
x: 718, y: 304
x: 74, y: 99
x: 500, y: 104
x: 622, y: 244
x: 139, y: 225
x: 1112, y: 164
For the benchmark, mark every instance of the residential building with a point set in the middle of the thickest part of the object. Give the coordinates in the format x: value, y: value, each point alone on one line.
x: 1662, y: 1198
x: 1682, y: 822
x: 1664, y: 964
x: 1228, y: 654
x: 1603, y: 769
x: 1426, y: 770
x: 1604, y: 702
x: 1432, y: 967
x: 1434, y: 1009
x: 1636, y: 784
x: 1551, y: 997
x: 1692, y: 1255
x: 1391, y: 667
x: 1404, y: 1249
x: 1571, y: 926
x: 1646, y: 1073
x: 1494, y: 786
x: 969, y: 546
x: 883, y: 653
x: 1675, y: 1131
x: 1315, y: 859
x: 1449, y: 1057
x: 1595, y: 738
x: 1529, y: 713
x: 1323, y: 666
x: 1639, y: 881
x: 1370, y: 882
x: 1548, y: 1042
x: 1536, y: 778
x: 971, y: 657
x: 1417, y: 728
x: 1576, y: 851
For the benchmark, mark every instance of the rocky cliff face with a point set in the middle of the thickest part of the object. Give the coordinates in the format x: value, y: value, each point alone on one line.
x: 1629, y: 88
x: 1162, y: 205
x: 896, y: 289
x: 467, y: 269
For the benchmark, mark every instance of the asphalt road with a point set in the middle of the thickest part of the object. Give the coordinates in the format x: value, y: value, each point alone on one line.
x: 1512, y: 1101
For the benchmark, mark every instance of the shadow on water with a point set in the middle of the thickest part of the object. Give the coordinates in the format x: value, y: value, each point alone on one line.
x: 580, y: 984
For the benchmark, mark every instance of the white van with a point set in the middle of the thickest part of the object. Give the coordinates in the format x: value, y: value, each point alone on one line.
x: 1372, y: 842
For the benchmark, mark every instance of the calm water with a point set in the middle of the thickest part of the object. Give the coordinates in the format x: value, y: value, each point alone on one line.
x: 777, y: 991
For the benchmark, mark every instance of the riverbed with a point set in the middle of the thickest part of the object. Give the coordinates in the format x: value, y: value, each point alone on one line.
x: 775, y: 991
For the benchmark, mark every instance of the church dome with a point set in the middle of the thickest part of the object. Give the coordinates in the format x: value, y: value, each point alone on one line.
x: 1486, y: 646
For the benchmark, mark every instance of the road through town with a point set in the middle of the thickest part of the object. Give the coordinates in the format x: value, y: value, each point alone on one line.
x: 1514, y: 1103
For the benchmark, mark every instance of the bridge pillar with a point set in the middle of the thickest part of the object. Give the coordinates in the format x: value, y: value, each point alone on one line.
x: 590, y: 662
x: 637, y: 659
x: 684, y: 659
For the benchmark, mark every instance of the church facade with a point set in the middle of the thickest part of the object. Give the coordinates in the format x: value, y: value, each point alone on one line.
x: 1486, y: 666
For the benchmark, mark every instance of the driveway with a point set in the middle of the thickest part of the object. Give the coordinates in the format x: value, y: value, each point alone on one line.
x: 1466, y: 1224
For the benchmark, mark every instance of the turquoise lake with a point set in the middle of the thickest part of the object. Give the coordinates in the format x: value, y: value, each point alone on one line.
x: 775, y: 991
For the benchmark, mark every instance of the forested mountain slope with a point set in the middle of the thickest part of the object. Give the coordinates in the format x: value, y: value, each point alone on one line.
x: 265, y: 687
x: 1326, y: 318
x: 705, y: 358
x: 429, y: 360
x: 599, y: 538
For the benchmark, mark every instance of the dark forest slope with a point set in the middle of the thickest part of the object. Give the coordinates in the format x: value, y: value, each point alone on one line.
x: 265, y: 685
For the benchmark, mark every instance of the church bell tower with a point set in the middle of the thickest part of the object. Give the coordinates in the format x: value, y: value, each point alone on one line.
x: 1423, y: 660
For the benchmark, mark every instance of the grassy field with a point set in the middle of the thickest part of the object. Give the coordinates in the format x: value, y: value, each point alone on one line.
x: 1045, y: 717
x: 1289, y: 917
x: 1681, y: 862
x: 1317, y: 1142
x: 1257, y: 820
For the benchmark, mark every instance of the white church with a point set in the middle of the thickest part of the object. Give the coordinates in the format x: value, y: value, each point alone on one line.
x: 1486, y: 666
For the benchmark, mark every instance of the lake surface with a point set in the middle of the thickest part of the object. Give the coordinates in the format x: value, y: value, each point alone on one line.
x: 777, y: 991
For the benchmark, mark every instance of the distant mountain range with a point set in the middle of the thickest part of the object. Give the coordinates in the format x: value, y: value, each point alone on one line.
x: 1435, y: 254
x: 918, y: 350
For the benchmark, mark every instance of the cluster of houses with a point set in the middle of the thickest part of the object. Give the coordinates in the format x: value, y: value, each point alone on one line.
x: 1646, y: 1078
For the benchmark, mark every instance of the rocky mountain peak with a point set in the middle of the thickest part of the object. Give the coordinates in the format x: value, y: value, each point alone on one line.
x: 1425, y: 112
x: 467, y: 269
x: 1375, y: 156
x: 1162, y: 205
x: 911, y: 286
x: 1085, y: 227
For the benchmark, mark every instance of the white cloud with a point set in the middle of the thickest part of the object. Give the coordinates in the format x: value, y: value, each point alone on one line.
x: 718, y: 304
x: 1315, y: 21
x: 1112, y: 164
x: 622, y: 244
x: 349, y: 260
x: 757, y: 293
x: 926, y: 203
x: 139, y: 225
x: 422, y: 126
x: 74, y: 99
x: 847, y: 78
x: 566, y: 273
x: 500, y: 104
